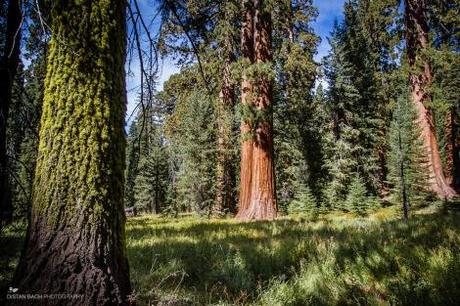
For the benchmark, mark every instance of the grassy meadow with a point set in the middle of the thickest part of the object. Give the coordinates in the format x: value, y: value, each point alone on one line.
x: 334, y: 259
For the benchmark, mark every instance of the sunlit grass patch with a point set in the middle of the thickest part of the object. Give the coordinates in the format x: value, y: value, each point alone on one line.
x: 302, y: 260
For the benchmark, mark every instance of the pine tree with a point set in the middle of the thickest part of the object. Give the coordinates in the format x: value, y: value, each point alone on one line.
x: 358, y: 94
x: 150, y: 189
x: 304, y: 201
x: 75, y: 240
x: 25, y: 118
x: 298, y: 121
x: 357, y: 198
x: 208, y: 32
x: 406, y: 161
x: 132, y: 163
x: 9, y: 61
x: 190, y: 133
x: 420, y: 78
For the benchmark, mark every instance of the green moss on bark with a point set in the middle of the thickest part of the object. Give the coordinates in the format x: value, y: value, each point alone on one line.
x: 78, y: 188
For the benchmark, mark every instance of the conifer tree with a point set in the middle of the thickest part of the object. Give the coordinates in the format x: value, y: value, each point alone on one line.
x: 406, y: 161
x: 358, y: 199
x: 75, y: 241
x: 190, y: 133
x: 420, y: 78
x: 262, y: 191
x: 358, y: 94
x: 132, y: 163
x: 9, y: 61
x: 298, y: 121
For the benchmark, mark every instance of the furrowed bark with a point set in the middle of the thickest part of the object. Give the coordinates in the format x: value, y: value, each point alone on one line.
x: 420, y: 78
x: 8, y: 68
x: 262, y: 203
x: 75, y: 240
x: 247, y: 49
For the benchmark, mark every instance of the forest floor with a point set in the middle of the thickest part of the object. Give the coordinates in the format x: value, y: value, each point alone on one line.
x: 303, y: 260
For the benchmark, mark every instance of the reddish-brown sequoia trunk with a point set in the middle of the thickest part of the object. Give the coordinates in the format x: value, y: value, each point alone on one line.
x: 225, y: 175
x: 247, y: 49
x: 420, y: 78
x: 8, y: 68
x: 262, y: 199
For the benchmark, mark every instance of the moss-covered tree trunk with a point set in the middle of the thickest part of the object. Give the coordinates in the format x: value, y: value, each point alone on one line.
x: 420, y: 78
x: 262, y: 199
x: 247, y: 50
x: 75, y: 241
x: 8, y: 68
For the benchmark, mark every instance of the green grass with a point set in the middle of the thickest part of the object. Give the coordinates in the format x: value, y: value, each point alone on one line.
x: 337, y: 259
x: 332, y: 260
x: 11, y: 239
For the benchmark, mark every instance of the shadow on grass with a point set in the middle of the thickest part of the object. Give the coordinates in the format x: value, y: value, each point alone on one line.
x: 215, y: 261
x: 11, y: 240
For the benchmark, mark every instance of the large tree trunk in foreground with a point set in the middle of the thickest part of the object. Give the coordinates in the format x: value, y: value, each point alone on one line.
x: 225, y: 172
x: 8, y: 68
x: 262, y: 203
x: 75, y: 241
x: 247, y: 49
x: 420, y: 78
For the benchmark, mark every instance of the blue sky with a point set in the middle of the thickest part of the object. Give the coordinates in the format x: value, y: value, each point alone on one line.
x: 329, y: 10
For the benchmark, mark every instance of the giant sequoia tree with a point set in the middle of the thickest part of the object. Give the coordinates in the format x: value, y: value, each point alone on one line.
x: 420, y: 78
x: 75, y: 240
x: 257, y: 189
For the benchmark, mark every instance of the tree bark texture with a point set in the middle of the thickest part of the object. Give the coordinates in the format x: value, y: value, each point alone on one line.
x: 247, y: 50
x: 262, y: 200
x: 75, y: 240
x: 225, y: 172
x: 8, y: 68
x: 420, y: 78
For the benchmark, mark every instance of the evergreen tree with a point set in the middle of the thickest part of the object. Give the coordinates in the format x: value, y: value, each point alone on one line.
x: 420, y: 79
x: 303, y: 201
x: 406, y: 162
x: 190, y: 134
x: 297, y: 116
x: 357, y: 198
x: 9, y: 61
x: 75, y: 241
x: 358, y: 94
x: 150, y: 189
x: 132, y: 163
x: 25, y: 118
x: 261, y: 202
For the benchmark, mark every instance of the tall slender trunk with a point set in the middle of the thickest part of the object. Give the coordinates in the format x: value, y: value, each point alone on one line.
x: 225, y: 172
x: 262, y: 203
x: 402, y: 176
x: 247, y: 49
x: 8, y: 68
x: 456, y: 149
x: 75, y: 240
x: 452, y: 149
x: 417, y: 42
